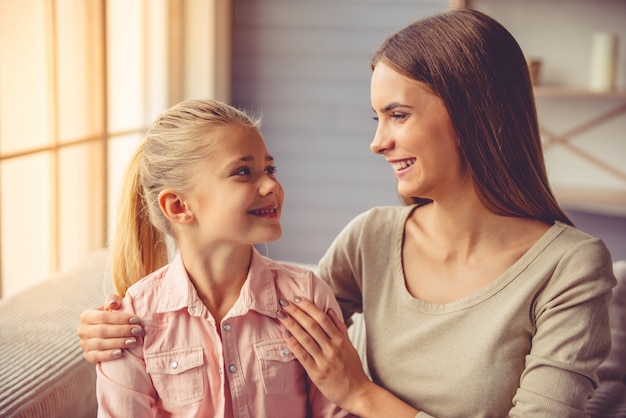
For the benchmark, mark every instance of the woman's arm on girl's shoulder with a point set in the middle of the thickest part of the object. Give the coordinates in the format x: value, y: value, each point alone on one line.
x: 126, y: 386
x: 103, y: 332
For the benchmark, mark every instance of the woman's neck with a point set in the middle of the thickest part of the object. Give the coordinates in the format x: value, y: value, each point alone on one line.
x: 464, y: 228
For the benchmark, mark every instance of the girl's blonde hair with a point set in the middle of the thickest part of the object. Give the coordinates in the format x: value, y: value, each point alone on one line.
x: 178, y: 140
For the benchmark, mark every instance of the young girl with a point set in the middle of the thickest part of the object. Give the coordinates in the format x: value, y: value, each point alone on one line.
x: 212, y: 343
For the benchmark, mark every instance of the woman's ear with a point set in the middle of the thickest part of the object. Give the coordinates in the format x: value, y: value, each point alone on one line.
x: 174, y: 208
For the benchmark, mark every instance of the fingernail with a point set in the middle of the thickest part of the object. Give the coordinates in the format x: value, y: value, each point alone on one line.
x: 130, y: 342
x: 297, y: 299
x: 283, y: 303
x: 281, y: 315
x: 111, y: 302
x: 136, y: 331
x: 288, y: 334
x: 332, y: 313
x: 134, y: 320
x: 117, y: 353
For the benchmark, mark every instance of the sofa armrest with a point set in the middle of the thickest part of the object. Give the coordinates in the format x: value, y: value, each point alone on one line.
x: 43, y: 371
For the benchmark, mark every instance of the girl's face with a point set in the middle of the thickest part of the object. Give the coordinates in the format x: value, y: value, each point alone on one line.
x: 415, y: 135
x: 237, y: 198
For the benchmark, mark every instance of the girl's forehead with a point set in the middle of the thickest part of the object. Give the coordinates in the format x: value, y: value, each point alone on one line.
x: 237, y: 139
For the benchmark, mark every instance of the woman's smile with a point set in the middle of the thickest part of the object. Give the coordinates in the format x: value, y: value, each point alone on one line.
x: 401, y: 166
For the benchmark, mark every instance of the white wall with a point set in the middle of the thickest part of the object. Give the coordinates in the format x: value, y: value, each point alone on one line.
x: 305, y: 65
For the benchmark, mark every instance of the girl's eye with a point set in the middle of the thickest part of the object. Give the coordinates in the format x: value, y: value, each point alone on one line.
x: 271, y: 170
x: 244, y: 171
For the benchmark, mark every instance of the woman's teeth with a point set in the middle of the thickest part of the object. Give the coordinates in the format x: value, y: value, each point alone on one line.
x: 399, y: 165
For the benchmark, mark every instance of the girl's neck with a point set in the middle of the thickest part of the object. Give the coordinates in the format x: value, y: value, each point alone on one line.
x: 218, y: 276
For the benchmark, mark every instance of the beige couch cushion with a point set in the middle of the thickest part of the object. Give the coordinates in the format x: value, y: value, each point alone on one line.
x: 43, y: 372
x: 609, y: 400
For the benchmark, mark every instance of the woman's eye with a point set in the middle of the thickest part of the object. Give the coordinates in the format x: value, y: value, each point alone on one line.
x: 375, y: 118
x: 244, y: 171
x: 271, y: 170
x: 399, y: 116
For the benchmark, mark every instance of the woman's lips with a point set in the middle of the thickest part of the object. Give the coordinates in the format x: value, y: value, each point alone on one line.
x: 402, y: 164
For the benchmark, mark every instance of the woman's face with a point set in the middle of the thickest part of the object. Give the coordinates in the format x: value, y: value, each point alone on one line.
x: 415, y: 135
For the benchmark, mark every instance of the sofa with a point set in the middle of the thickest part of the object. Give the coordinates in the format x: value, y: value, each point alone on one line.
x: 44, y: 374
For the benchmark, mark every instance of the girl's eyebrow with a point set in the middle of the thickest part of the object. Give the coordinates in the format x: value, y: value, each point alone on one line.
x: 247, y: 158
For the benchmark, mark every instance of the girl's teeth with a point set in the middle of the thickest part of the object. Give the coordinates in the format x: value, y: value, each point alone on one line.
x: 265, y: 211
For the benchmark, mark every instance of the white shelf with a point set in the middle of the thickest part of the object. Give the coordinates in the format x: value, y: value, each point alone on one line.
x: 573, y: 92
x: 610, y: 202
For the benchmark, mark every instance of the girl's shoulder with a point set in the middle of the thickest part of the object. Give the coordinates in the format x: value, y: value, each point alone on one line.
x: 293, y: 279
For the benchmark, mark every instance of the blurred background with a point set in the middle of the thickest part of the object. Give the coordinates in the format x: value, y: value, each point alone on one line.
x: 81, y: 80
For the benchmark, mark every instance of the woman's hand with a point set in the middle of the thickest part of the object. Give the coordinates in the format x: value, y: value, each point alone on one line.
x: 104, y: 333
x: 320, y: 342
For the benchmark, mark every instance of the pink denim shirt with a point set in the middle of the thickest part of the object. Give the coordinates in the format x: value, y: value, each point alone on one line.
x: 181, y: 367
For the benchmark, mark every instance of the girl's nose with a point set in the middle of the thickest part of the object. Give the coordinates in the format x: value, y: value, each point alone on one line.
x: 269, y: 185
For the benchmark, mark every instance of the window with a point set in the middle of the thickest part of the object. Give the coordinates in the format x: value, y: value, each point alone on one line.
x: 80, y: 81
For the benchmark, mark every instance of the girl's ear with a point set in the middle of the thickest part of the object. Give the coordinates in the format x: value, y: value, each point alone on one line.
x: 173, y: 207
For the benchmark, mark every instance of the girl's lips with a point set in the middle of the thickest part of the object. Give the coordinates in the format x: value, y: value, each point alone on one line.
x: 265, y: 212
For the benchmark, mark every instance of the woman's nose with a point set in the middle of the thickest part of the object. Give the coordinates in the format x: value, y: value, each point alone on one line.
x: 382, y: 141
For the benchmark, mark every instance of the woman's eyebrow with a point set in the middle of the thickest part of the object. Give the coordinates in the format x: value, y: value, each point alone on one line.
x: 391, y: 106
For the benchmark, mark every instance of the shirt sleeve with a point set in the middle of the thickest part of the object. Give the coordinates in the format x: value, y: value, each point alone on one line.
x: 572, y: 335
x: 123, y: 387
x: 340, y: 267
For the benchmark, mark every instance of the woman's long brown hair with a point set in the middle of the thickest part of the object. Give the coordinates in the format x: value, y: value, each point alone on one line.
x: 478, y: 69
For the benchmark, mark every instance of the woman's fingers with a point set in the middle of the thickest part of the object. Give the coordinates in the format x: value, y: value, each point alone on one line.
x: 112, y: 302
x: 320, y: 342
x: 99, y: 323
x: 317, y: 336
x: 103, y: 333
x: 312, y: 318
x: 101, y: 354
x: 304, y: 331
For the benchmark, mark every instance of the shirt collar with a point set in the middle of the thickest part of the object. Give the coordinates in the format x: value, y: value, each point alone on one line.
x: 257, y: 293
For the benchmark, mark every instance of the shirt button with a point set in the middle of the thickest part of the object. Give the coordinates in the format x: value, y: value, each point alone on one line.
x: 232, y: 368
x: 285, y: 351
x: 173, y: 364
x: 227, y: 327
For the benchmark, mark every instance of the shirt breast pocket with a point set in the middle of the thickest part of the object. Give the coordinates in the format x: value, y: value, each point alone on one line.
x: 280, y: 369
x: 177, y: 374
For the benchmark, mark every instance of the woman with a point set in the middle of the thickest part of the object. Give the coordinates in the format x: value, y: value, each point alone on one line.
x: 479, y: 296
